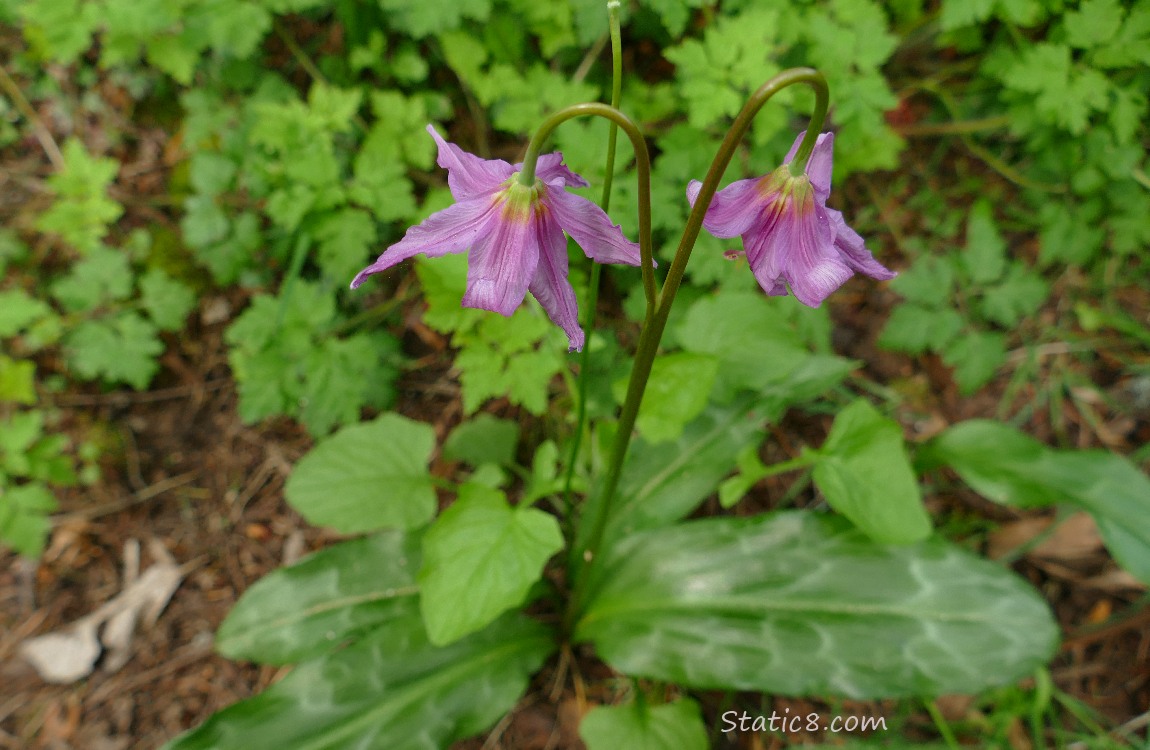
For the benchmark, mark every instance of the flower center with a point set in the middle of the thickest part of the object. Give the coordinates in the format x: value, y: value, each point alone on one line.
x: 781, y: 191
x: 519, y: 203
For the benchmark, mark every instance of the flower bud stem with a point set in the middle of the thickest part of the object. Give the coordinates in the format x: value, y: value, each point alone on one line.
x: 593, y: 282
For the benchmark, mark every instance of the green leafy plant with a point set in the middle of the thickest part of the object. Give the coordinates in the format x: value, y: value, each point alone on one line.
x: 960, y: 304
x: 736, y: 603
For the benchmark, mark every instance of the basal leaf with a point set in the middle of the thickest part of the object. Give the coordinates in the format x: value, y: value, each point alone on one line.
x: 367, y: 476
x: 391, y: 690
x: 799, y: 604
x: 324, y: 600
x: 663, y: 483
x: 1011, y: 468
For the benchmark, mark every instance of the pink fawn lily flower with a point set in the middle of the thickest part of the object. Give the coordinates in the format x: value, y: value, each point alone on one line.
x: 514, y: 234
x: 789, y: 233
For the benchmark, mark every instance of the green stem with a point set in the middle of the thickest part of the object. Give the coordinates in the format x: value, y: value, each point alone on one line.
x: 642, y: 169
x: 593, y: 282
x: 586, y: 552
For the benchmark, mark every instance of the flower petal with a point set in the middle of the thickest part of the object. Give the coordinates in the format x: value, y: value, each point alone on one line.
x: 814, y: 270
x: 551, y: 169
x: 798, y: 245
x: 733, y: 210
x: 502, y: 264
x: 452, y: 230
x: 550, y: 285
x: 852, y: 249
x: 469, y: 176
x: 591, y: 228
x: 821, y: 163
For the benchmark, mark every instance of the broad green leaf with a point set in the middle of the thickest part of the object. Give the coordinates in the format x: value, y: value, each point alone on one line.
x: 480, y: 558
x: 367, y: 476
x: 391, y: 690
x: 864, y: 473
x: 677, y: 391
x: 1011, y: 468
x: 483, y: 439
x: 324, y: 600
x: 664, y: 483
x: 997, y: 461
x: 670, y: 726
x: 800, y: 604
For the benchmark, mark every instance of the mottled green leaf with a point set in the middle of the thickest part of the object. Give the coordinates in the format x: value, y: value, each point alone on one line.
x: 391, y: 690
x: 799, y: 604
x: 323, y: 601
x: 663, y: 483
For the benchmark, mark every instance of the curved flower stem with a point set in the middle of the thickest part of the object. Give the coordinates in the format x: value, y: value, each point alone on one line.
x: 593, y: 282
x: 586, y: 551
x: 642, y: 168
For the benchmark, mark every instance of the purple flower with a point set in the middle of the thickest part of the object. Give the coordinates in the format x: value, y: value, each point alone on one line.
x: 788, y: 232
x: 514, y: 234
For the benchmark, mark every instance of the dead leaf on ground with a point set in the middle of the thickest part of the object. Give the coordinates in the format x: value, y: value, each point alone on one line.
x: 1074, y: 540
x: 71, y: 654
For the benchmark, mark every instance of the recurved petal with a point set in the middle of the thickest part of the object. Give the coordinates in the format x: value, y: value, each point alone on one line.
x: 591, y: 229
x: 469, y: 176
x: 852, y: 249
x: 551, y: 169
x: 502, y: 264
x: 452, y: 230
x: 821, y: 164
x: 733, y: 210
x: 551, y: 287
